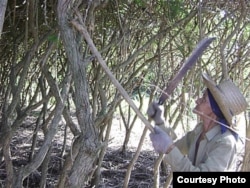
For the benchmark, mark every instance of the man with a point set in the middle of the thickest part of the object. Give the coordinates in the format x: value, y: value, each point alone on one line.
x: 212, y: 145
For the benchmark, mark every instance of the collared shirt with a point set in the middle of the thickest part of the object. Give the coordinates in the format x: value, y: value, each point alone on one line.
x: 216, y: 151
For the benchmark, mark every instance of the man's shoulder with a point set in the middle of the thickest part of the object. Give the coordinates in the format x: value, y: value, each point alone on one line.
x: 227, y: 137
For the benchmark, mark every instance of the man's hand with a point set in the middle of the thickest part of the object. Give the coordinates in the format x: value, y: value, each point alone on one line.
x: 161, y: 141
x: 155, y: 112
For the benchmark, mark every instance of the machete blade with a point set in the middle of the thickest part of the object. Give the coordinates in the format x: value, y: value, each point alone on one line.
x: 187, y: 65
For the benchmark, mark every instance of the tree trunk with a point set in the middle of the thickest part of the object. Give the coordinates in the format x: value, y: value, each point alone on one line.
x: 88, y: 145
x: 3, y: 5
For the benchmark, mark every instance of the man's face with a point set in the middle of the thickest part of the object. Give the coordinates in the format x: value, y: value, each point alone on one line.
x: 203, y: 107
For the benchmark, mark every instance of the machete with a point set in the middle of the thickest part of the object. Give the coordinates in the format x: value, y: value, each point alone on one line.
x: 196, y: 53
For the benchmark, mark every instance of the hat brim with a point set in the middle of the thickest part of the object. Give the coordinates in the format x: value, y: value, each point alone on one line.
x: 219, y: 97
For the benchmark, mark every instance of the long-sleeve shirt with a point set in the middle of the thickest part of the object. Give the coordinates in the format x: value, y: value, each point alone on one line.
x: 216, y: 152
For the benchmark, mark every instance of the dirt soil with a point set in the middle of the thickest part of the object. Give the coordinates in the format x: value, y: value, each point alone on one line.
x: 114, y: 166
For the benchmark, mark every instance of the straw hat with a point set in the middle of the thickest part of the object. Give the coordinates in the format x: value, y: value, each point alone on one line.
x: 228, y: 97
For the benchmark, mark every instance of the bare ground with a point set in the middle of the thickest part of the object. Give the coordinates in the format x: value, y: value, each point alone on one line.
x: 114, y: 166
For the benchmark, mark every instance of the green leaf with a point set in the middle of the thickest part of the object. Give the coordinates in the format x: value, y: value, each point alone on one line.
x: 53, y: 38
